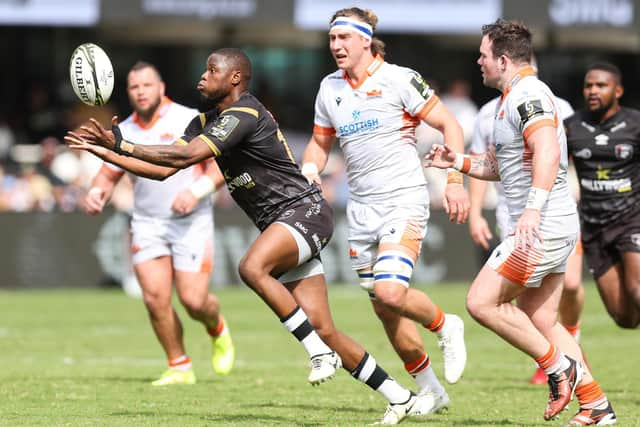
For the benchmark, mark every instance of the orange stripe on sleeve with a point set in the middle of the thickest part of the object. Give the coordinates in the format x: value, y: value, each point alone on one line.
x: 432, y: 102
x: 319, y: 130
x: 537, y: 125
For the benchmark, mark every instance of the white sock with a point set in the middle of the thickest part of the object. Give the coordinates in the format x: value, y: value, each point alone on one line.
x: 298, y: 324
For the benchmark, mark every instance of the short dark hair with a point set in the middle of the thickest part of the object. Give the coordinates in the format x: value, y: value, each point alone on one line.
x: 141, y: 65
x: 238, y: 58
x: 509, y: 38
x: 608, y: 67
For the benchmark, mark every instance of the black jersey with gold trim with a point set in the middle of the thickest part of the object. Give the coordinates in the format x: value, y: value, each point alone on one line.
x: 607, y: 159
x: 252, y: 153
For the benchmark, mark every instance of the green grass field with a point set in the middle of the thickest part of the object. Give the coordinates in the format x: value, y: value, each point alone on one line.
x: 86, y: 357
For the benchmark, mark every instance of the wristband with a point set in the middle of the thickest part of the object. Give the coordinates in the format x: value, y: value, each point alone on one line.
x: 309, y: 168
x: 537, y: 198
x: 121, y: 146
x: 201, y: 187
x: 454, y: 176
x: 462, y: 163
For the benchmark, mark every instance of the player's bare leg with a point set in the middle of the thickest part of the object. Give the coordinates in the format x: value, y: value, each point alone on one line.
x: 274, y: 252
x: 489, y: 302
x: 203, y: 306
x: 617, y: 288
x: 391, y: 290
x: 571, y: 305
x: 406, y: 340
x: 156, y: 277
x: 311, y: 295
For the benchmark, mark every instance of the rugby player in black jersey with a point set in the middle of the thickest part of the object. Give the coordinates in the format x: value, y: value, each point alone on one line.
x: 604, y: 142
x: 283, y: 264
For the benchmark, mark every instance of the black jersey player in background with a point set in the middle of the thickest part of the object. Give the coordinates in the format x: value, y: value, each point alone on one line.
x: 604, y: 141
x: 282, y: 265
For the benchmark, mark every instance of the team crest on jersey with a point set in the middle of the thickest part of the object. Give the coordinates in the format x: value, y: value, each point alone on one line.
x: 601, y: 139
x: 623, y: 151
x: 355, y: 114
x: 529, y: 109
x: 223, y: 127
x: 421, y: 85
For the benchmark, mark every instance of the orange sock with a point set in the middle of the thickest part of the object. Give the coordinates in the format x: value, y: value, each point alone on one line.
x: 215, y: 332
x: 437, y: 323
x: 418, y: 365
x: 181, y: 363
x: 548, y: 359
x: 589, y: 394
x: 573, y: 330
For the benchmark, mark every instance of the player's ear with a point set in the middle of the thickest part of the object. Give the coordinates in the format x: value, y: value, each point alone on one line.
x: 619, y: 91
x: 236, y: 78
x: 162, y: 88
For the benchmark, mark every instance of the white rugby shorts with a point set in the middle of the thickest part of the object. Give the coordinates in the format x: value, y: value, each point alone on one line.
x: 188, y: 240
x: 371, y: 224
x: 529, y: 266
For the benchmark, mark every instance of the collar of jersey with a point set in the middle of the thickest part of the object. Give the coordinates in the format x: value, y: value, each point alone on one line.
x: 372, y: 68
x: 522, y: 73
x: 160, y: 111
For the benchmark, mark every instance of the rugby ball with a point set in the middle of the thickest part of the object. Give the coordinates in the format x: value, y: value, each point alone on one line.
x: 91, y: 74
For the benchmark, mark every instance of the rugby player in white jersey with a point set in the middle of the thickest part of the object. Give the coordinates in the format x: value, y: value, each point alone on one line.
x: 572, y: 300
x: 372, y: 108
x: 172, y: 229
x: 531, y: 161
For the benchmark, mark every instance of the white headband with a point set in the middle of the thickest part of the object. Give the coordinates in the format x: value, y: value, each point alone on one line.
x: 359, y: 27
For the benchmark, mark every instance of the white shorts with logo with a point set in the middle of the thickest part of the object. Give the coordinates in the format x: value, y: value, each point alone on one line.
x: 529, y: 266
x: 372, y: 224
x: 188, y: 240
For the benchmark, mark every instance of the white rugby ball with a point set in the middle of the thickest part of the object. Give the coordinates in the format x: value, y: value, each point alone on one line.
x: 91, y: 74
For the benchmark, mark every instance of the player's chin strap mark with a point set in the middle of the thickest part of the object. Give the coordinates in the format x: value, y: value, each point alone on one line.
x: 121, y: 146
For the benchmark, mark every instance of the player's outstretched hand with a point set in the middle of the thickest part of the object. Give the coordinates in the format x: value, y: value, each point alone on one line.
x: 96, y: 134
x: 79, y: 140
x: 440, y: 156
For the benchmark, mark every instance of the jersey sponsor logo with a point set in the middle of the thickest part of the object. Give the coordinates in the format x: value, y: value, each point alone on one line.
x: 585, y: 153
x: 607, y: 185
x: 421, y: 85
x: 358, y: 127
x: 287, y: 213
x: 314, y: 209
x: 529, y: 109
x: 223, y: 127
x: 601, y: 139
x: 623, y: 151
x: 243, y: 180
x: 301, y: 227
x: 635, y: 239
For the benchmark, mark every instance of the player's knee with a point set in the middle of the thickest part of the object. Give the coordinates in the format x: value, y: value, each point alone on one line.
x: 633, y: 290
x: 193, y: 305
x: 392, y: 273
x: 156, y: 303
x: 249, y: 271
x: 477, y: 309
x: 572, y: 285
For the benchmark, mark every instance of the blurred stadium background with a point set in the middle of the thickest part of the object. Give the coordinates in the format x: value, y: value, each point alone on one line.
x: 48, y: 242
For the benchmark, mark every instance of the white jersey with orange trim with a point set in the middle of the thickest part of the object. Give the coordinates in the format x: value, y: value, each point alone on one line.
x: 527, y: 105
x: 375, y: 123
x: 483, y: 141
x: 154, y: 198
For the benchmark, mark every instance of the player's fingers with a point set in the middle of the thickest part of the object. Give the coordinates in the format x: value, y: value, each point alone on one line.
x: 445, y: 204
